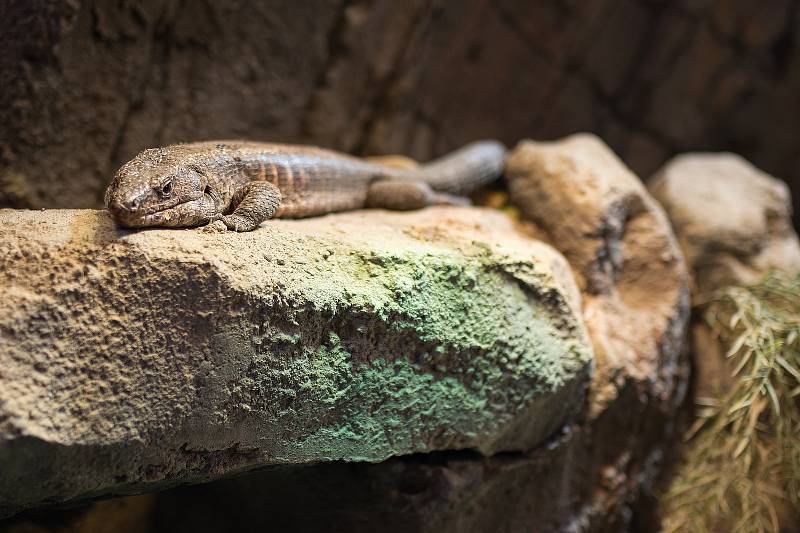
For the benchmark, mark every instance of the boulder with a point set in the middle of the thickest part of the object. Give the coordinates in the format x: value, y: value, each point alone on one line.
x: 131, y: 361
x: 583, y: 200
x: 733, y: 221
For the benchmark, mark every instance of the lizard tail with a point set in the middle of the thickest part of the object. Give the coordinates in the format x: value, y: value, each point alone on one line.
x: 466, y: 169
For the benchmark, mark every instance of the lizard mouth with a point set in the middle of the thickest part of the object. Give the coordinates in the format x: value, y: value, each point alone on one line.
x: 193, y: 212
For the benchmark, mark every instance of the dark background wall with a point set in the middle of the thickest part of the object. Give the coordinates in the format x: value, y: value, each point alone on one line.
x: 84, y: 85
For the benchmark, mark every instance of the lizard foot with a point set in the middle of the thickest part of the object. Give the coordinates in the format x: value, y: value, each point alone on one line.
x: 238, y: 223
x: 215, y: 226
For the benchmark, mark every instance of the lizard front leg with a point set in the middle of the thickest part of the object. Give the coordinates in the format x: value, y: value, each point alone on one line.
x: 251, y: 205
x: 403, y: 195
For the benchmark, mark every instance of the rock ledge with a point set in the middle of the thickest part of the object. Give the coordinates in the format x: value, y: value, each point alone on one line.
x: 134, y: 360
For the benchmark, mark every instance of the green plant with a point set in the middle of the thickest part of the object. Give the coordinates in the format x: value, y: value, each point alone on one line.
x: 741, y: 470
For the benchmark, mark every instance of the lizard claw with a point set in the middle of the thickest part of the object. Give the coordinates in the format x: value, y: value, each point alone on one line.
x: 237, y: 223
x: 221, y: 223
x: 215, y: 226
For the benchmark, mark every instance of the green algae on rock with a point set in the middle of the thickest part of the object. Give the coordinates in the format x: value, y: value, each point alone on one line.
x: 136, y: 360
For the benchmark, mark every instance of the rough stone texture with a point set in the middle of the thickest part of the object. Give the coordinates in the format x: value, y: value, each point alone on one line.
x: 84, y: 85
x: 132, y: 360
x: 733, y: 222
x: 591, y: 207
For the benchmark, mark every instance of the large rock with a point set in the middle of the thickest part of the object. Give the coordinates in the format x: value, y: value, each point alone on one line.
x: 588, y: 477
x: 133, y: 360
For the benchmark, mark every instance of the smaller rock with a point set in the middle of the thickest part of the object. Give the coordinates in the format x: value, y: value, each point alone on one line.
x: 585, y: 202
x: 732, y: 220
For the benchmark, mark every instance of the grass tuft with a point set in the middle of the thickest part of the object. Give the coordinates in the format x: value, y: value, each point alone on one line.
x: 741, y: 470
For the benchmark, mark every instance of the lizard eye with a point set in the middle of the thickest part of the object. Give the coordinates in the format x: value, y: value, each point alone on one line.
x: 166, y: 188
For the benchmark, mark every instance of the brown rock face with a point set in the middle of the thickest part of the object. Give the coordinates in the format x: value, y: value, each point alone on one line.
x: 585, y: 476
x: 84, y: 86
x: 733, y: 221
x: 591, y: 207
x: 584, y: 201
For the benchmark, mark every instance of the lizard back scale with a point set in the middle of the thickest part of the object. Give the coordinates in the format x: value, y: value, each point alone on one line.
x: 244, y: 183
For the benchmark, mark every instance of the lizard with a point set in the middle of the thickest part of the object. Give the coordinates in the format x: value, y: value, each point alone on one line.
x: 244, y: 183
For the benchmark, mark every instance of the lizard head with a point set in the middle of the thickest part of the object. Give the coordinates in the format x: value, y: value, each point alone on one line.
x: 159, y: 188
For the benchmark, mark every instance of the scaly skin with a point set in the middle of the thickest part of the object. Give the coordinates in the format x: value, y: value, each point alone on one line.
x: 244, y: 183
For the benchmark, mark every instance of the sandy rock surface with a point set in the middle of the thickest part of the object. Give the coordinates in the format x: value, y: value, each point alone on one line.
x: 578, y: 196
x: 132, y: 360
